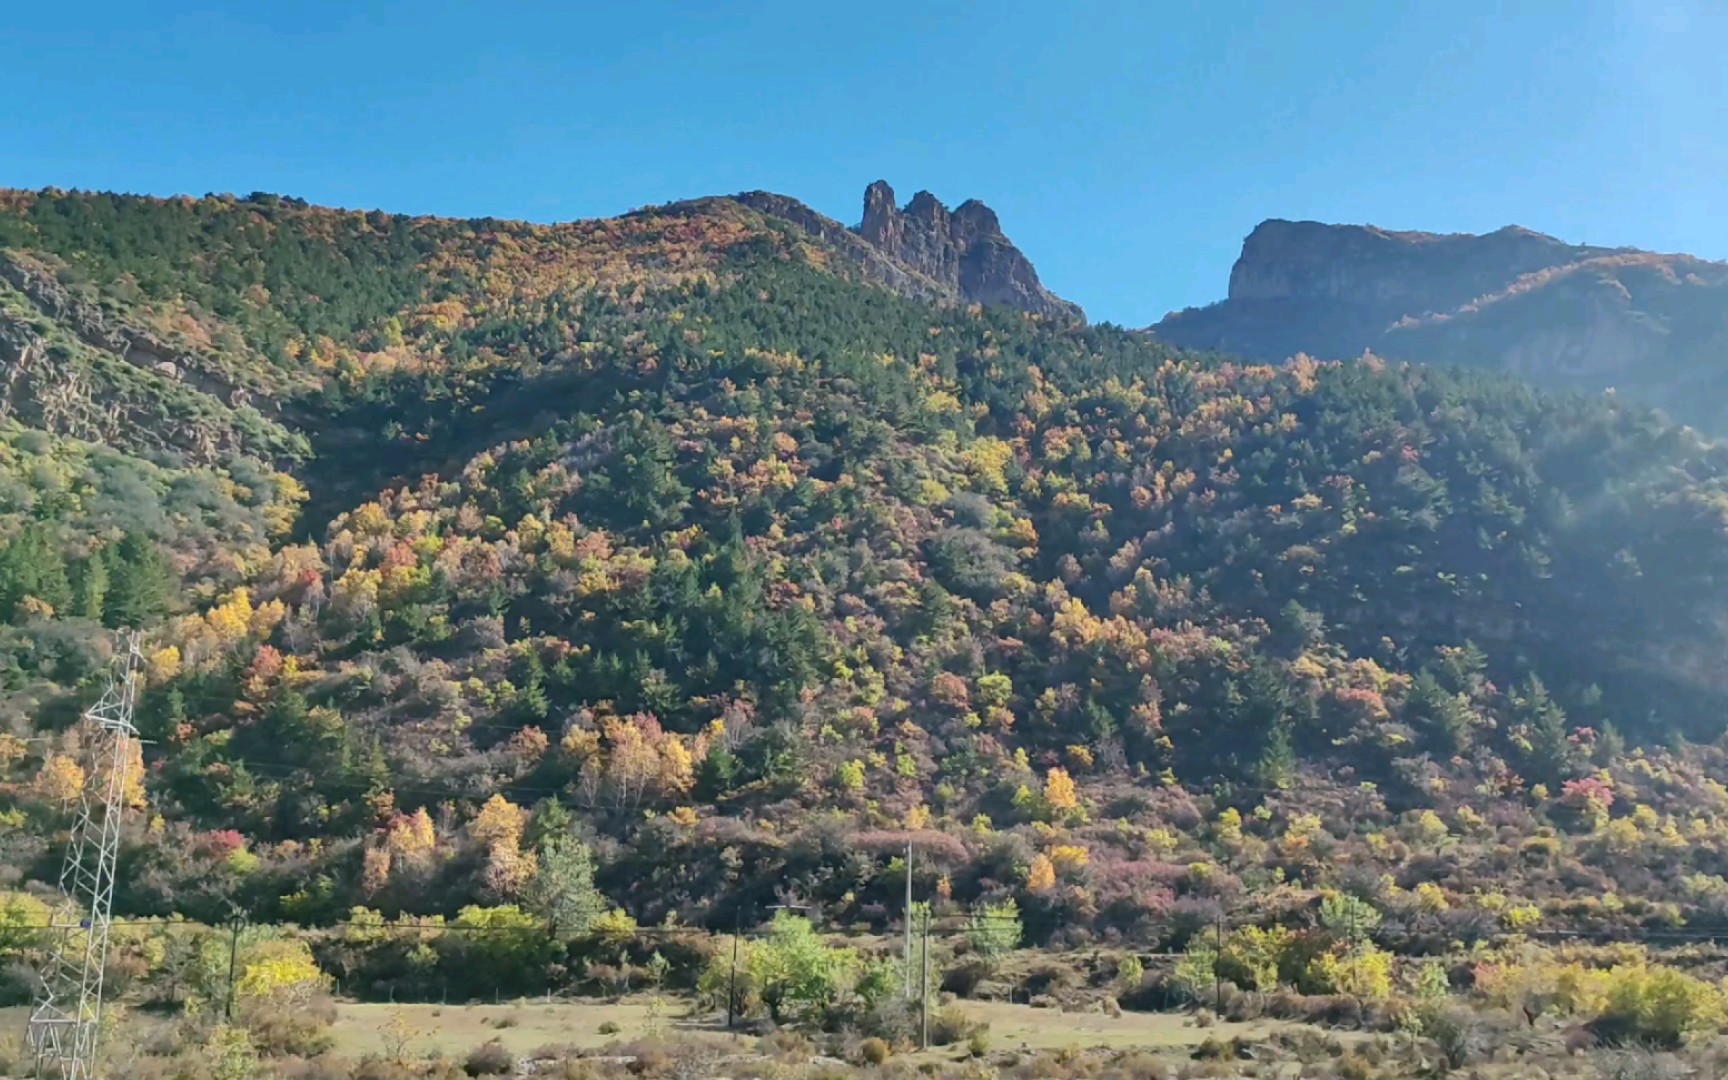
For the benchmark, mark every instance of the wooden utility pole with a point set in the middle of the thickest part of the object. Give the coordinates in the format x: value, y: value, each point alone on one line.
x: 233, y: 958
x: 1217, y: 977
x: 908, y: 963
x: 924, y: 997
x: 732, y: 983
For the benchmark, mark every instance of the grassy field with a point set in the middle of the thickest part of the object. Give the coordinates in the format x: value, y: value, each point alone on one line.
x: 1016, y: 1026
x: 525, y: 1026
x: 522, y: 1026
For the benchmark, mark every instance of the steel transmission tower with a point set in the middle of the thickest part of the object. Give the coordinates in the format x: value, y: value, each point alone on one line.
x: 64, y: 1026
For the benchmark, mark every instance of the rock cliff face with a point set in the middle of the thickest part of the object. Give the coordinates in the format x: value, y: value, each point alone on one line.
x: 1373, y: 268
x: 923, y: 251
x: 1590, y: 318
x: 963, y: 249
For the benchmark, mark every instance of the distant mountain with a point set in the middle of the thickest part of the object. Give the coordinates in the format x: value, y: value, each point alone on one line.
x: 1589, y: 318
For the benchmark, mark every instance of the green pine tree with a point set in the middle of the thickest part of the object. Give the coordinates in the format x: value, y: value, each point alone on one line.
x: 550, y: 818
x: 1296, y: 628
x: 90, y: 587
x: 532, y: 705
x: 1443, y: 720
x: 163, y: 715
x: 31, y: 567
x: 140, y: 583
x: 717, y: 773
x: 562, y: 889
x: 1277, y: 764
x: 1552, y: 755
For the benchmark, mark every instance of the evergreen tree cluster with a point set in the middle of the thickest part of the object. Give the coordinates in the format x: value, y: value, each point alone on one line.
x: 125, y: 584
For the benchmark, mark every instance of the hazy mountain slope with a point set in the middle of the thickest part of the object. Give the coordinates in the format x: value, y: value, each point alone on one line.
x: 1586, y: 318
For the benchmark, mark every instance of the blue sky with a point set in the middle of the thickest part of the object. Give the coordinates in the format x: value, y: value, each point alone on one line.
x: 1128, y: 147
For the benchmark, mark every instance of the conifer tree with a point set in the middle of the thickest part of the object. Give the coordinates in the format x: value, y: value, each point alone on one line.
x: 1551, y: 753
x: 31, y: 567
x: 140, y: 583
x: 532, y: 705
x: 90, y: 587
x: 561, y: 890
x: 1442, y: 719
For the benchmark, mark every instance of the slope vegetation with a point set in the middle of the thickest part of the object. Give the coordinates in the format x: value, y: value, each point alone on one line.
x: 680, y: 526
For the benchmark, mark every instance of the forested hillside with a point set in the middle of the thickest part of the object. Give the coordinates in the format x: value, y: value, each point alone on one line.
x: 675, y: 536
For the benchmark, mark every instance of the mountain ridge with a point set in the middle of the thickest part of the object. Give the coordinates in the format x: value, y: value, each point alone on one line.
x: 924, y: 251
x: 1581, y: 316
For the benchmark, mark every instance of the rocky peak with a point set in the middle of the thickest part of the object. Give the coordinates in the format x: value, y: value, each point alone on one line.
x: 880, y: 214
x: 927, y: 208
x: 963, y: 249
x: 978, y: 218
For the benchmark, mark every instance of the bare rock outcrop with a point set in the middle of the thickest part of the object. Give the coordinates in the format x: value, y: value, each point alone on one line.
x: 963, y: 249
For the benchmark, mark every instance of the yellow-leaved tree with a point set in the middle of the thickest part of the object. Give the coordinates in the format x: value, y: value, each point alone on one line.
x: 134, y: 793
x: 61, y: 779
x: 1069, y: 858
x: 498, y: 827
x: 163, y: 665
x: 282, y: 970
x: 1041, y: 874
x: 499, y: 821
x: 412, y: 834
x: 274, y: 973
x: 1059, y: 793
x: 677, y: 772
x: 374, y: 869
